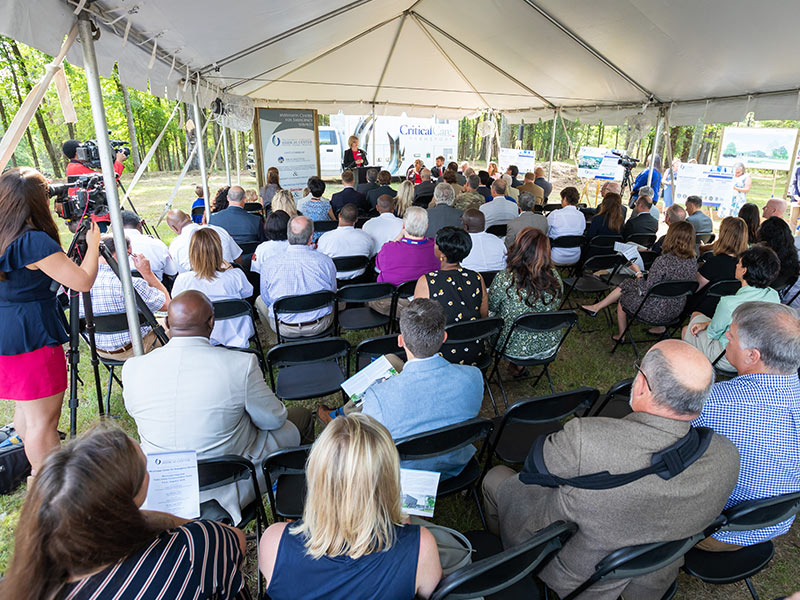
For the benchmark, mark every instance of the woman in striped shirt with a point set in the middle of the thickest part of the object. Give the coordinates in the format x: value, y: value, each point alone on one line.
x: 82, y: 535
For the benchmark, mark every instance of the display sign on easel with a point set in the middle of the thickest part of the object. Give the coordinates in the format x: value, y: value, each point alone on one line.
x: 713, y: 183
x: 758, y: 147
x: 525, y: 160
x: 599, y: 163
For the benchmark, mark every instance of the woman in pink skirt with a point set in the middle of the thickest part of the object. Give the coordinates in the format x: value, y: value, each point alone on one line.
x: 33, y: 369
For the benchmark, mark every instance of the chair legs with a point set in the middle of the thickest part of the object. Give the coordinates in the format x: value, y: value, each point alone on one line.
x: 750, y: 587
x: 111, y: 379
x: 491, y: 396
x: 480, y: 508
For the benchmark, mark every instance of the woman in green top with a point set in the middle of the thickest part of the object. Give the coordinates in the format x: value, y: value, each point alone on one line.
x: 757, y: 268
x: 530, y: 284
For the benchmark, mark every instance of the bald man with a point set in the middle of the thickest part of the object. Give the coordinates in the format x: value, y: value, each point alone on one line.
x: 775, y: 207
x: 542, y: 182
x: 243, y: 226
x: 190, y: 395
x: 668, y: 391
x: 179, y: 222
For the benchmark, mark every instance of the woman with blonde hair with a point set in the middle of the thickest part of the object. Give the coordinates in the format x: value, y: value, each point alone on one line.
x: 404, y: 198
x: 494, y: 172
x: 218, y: 280
x: 250, y: 196
x: 721, y: 265
x: 354, y: 156
x: 351, y: 542
x: 272, y: 187
x: 283, y: 200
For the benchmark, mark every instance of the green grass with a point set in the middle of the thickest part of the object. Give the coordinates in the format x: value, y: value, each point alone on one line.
x: 584, y: 360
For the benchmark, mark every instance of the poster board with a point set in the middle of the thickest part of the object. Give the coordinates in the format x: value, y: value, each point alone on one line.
x: 599, y: 163
x: 758, y: 147
x: 525, y: 160
x: 713, y: 183
x: 289, y: 140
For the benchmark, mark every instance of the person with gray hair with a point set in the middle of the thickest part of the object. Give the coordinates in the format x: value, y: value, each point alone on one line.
x: 668, y: 391
x: 242, y: 226
x: 441, y: 212
x: 501, y: 208
x: 470, y: 197
x: 424, y: 189
x: 527, y: 218
x: 640, y: 221
x: 674, y: 214
x: 647, y: 192
x: 758, y: 411
x: 511, y: 191
x: 300, y: 269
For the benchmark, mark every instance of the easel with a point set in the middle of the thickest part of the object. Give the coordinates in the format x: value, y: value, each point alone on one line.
x: 585, y: 191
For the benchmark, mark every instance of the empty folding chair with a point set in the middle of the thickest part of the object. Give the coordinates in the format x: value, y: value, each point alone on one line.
x: 323, y: 226
x: 285, y: 474
x: 238, y: 308
x: 372, y: 348
x: 363, y: 317
x: 254, y: 208
x: 308, y: 369
x: 586, y: 282
x: 615, y: 403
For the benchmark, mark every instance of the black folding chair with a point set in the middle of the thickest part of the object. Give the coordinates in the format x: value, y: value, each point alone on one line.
x: 254, y: 208
x: 304, y: 303
x: 517, y: 430
x: 721, y: 568
x: 488, y: 277
x: 648, y: 258
x: 663, y: 289
x: 586, y: 282
x: 431, y: 444
x: 363, y: 317
x: 513, y: 567
x: 704, y: 238
x: 547, y: 208
x: 360, y: 222
x: 478, y: 337
x: 563, y: 320
x: 308, y: 369
x: 719, y: 370
x: 324, y: 226
x: 372, y: 348
x: 603, y: 244
x: 498, y: 230
x: 615, y: 404
x: 198, y: 211
x: 404, y: 290
x: 569, y: 241
x: 645, y: 240
x: 347, y: 264
x: 710, y: 292
x: 248, y: 249
x: 235, y: 308
x: 285, y: 471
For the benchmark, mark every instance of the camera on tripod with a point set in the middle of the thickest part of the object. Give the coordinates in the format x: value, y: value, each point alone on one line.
x: 88, y: 200
x: 626, y: 161
x: 89, y: 152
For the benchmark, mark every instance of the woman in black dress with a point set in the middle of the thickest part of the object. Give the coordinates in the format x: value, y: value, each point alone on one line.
x: 721, y: 265
x: 775, y: 233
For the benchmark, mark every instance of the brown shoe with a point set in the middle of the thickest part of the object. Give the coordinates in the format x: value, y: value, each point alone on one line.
x: 324, y: 414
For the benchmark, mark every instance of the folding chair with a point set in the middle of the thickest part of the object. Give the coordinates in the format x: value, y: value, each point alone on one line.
x: 710, y: 292
x: 516, y: 431
x: 645, y: 240
x: 308, y: 369
x: 704, y: 238
x: 535, y: 323
x: 347, y: 264
x: 378, y: 346
x: 547, y: 208
x: 254, y: 208
x: 360, y: 222
x: 488, y: 277
x: 198, y: 211
x: 793, y: 298
x: 235, y: 308
x: 498, y: 230
x: 480, y: 333
x: 586, y: 282
x: 569, y: 241
x: 285, y: 474
x: 248, y: 249
x: 615, y: 404
x: 325, y: 226
x: 304, y: 303
x: 603, y: 244
x: 721, y: 568
x: 404, y: 290
x: 663, y: 289
x: 363, y: 317
x: 513, y: 567
x: 224, y: 470
x: 447, y: 439
x: 648, y: 258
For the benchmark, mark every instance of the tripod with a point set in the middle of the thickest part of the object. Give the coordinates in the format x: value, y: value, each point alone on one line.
x: 627, y: 181
x: 144, y: 223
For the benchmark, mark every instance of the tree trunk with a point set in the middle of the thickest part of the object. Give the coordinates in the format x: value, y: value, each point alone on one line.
x: 697, y: 139
x: 126, y: 101
x: 20, y: 100
x: 4, y: 117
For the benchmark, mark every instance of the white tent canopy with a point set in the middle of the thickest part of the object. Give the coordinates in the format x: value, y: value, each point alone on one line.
x: 715, y: 60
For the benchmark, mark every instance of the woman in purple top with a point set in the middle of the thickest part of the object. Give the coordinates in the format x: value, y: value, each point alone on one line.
x: 411, y: 255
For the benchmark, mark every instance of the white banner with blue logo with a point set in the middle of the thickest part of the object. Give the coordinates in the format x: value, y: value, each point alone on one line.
x: 288, y: 142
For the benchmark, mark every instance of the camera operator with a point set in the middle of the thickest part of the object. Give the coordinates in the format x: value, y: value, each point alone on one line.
x: 76, y: 167
x: 33, y: 369
x: 641, y: 181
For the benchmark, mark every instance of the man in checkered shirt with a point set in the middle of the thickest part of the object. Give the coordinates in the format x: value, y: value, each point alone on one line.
x: 759, y: 411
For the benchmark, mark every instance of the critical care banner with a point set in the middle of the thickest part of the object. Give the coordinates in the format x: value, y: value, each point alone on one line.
x: 288, y: 141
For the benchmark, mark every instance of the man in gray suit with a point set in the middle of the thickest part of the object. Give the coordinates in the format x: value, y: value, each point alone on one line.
x: 669, y: 391
x: 441, y: 212
x: 527, y: 218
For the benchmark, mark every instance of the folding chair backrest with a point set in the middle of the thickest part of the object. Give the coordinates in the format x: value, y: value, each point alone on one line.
x: 643, y: 239
x: 496, y: 573
x: 546, y: 321
x: 255, y: 208
x: 764, y: 512
x: 230, y: 309
x: 648, y: 258
x: 323, y: 226
x: 604, y: 241
x: 622, y: 388
x: 304, y: 302
x: 198, y: 211
x: 443, y: 440
x: 604, y: 262
x: 377, y: 346
x: 704, y: 238
x: 726, y: 287
x: 567, y: 241
x: 360, y: 222
x: 673, y: 289
x: 498, y: 230
x: 344, y: 264
x: 365, y: 292
x: 472, y: 331
x: 550, y: 207
x: 223, y: 470
x: 406, y: 289
x: 287, y: 460
x: 307, y: 351
x: 547, y: 409
x: 248, y: 249
x: 113, y: 322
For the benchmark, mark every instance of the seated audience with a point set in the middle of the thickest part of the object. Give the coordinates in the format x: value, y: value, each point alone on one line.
x: 530, y: 283
x: 384, y: 179
x: 531, y: 187
x: 647, y: 192
x: 667, y: 393
x: 441, y: 212
x: 758, y: 411
x: 513, y: 171
x: 641, y: 221
x: 314, y: 205
x: 275, y: 240
x: 209, y: 399
x: 567, y: 220
x: 154, y: 250
x: 775, y: 207
x: 500, y: 209
x: 370, y: 184
x: 273, y: 186
x: 299, y: 270
x: 543, y: 183
x: 413, y: 173
x: 107, y: 299
x: 251, y: 195
x: 511, y: 191
x: 678, y: 262
x: 385, y: 227
x: 82, y: 533
x: 218, y: 280
x: 423, y: 191
x: 673, y: 214
x: 470, y: 197
x: 438, y: 169
x: 404, y: 198
x: 702, y: 222
x: 750, y: 214
x: 346, y: 240
x: 199, y: 202
x: 461, y: 177
x: 179, y: 222
x: 410, y: 256
x: 721, y: 265
x: 488, y: 251
x: 609, y: 218
x: 243, y: 226
x: 756, y: 269
x: 527, y: 218
x: 361, y: 548
x: 460, y: 291
x: 348, y: 195
x: 451, y: 178
x: 220, y: 201
x: 774, y: 233
x: 283, y: 200
x: 485, y: 187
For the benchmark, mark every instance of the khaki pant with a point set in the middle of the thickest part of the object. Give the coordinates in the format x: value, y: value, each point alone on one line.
x: 384, y: 306
x: 491, y: 482
x: 293, y: 331
x: 710, y: 347
x: 304, y: 421
x: 149, y: 342
x: 711, y: 544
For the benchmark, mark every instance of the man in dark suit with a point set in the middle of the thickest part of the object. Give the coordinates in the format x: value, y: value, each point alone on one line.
x: 426, y: 186
x: 438, y: 169
x: 384, y: 179
x: 513, y: 170
x: 542, y: 182
x: 348, y: 196
x: 641, y: 220
x: 442, y: 213
x: 244, y: 227
x: 486, y: 184
x: 365, y: 188
x: 461, y: 179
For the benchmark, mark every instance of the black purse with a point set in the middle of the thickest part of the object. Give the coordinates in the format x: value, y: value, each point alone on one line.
x: 14, y: 465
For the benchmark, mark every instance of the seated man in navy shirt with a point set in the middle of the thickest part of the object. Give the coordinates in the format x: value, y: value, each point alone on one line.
x: 242, y: 226
x: 348, y: 195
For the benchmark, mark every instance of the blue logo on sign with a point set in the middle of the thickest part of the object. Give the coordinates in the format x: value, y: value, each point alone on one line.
x: 280, y: 159
x: 276, y: 140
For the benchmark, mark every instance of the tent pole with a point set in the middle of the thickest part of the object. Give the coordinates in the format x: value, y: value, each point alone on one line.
x: 201, y: 150
x: 236, y: 151
x: 109, y: 177
x: 374, y: 140
x: 227, y: 155
x: 552, y: 144
x: 659, y: 127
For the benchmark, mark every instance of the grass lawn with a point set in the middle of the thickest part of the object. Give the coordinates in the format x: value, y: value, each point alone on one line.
x: 584, y: 360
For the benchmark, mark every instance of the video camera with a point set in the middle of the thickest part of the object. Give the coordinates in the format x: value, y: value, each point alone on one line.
x: 87, y: 202
x: 626, y: 161
x: 89, y: 152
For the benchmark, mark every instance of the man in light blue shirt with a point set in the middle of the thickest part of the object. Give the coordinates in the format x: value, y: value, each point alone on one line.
x: 759, y: 411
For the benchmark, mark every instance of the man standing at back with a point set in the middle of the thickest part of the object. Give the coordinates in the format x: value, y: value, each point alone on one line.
x: 667, y: 393
x: 348, y: 196
x: 241, y: 225
x: 567, y: 220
